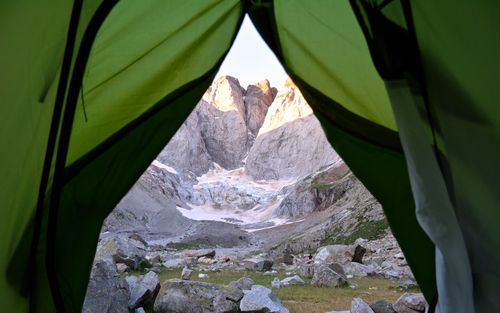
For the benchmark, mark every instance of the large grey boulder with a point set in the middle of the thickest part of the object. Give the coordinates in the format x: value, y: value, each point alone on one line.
x: 382, y: 306
x: 410, y: 303
x: 143, y: 289
x: 221, y: 118
x: 293, y: 280
x: 209, y: 253
x: 107, y: 291
x: 193, y: 297
x: 341, y: 254
x: 359, y: 270
x: 258, y: 263
x: 261, y: 299
x: 289, y: 135
x: 121, y: 249
x: 360, y: 306
x: 324, y: 276
x: 244, y: 283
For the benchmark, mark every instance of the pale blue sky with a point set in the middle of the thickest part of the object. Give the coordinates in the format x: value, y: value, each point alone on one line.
x: 250, y: 59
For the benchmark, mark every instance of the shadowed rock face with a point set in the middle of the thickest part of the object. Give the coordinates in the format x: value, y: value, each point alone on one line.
x: 291, y: 142
x: 258, y: 98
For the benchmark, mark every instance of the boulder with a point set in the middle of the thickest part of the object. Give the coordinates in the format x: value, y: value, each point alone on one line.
x: 410, y: 303
x: 294, y: 280
x: 121, y: 267
x: 359, y: 252
x: 271, y: 273
x: 143, y: 289
x: 324, y: 276
x: 258, y: 263
x: 186, y: 273
x: 341, y: 254
x: 276, y: 283
x: 244, y: 283
x: 202, y: 275
x: 360, y: 306
x: 107, y: 291
x: 382, y: 306
x: 193, y: 296
x: 407, y: 283
x: 207, y: 253
x: 306, y: 270
x: 359, y: 270
x: 139, y: 310
x: 176, y: 263
x: 261, y: 299
x: 122, y: 250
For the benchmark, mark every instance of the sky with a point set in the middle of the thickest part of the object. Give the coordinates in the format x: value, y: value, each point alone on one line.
x: 250, y: 59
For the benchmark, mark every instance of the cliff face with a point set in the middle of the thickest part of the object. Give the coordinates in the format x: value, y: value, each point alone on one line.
x: 291, y: 142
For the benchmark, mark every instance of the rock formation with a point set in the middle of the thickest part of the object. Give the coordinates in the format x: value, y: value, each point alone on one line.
x: 291, y: 142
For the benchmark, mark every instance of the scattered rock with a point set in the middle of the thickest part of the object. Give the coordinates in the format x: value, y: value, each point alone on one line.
x: 271, y: 273
x: 360, y: 306
x: 193, y: 296
x: 244, y: 283
x: 186, y: 274
x: 261, y: 299
x: 121, y: 267
x: 324, y: 276
x: 202, y: 276
x: 143, y: 289
x: 208, y: 253
x: 107, y: 291
x: 258, y: 263
x: 276, y: 283
x: 139, y: 310
x: 294, y: 280
x: 382, y: 306
x: 122, y: 250
x: 407, y: 283
x: 306, y: 270
x: 358, y: 270
x: 410, y: 303
x: 341, y: 254
x: 359, y: 252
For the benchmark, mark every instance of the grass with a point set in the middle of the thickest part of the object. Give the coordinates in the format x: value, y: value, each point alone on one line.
x: 306, y: 298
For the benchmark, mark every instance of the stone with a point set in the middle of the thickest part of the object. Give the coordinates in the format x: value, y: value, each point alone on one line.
x: 360, y: 306
x: 306, y: 270
x: 410, y: 303
x: 186, y: 273
x: 270, y: 273
x: 143, y: 289
x: 359, y: 270
x: 175, y: 263
x: 202, y: 275
x: 399, y: 256
x: 337, y: 268
x: 107, y: 291
x: 359, y: 252
x: 122, y: 250
x: 407, y: 283
x: 244, y: 283
x: 208, y: 253
x: 294, y: 280
x: 139, y: 310
x: 341, y: 254
x: 261, y: 299
x: 193, y: 296
x: 382, y: 306
x: 258, y: 263
x: 121, y: 267
x: 276, y: 283
x: 324, y: 276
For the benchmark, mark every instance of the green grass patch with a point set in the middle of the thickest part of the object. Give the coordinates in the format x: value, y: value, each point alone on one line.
x: 306, y: 298
x: 370, y: 230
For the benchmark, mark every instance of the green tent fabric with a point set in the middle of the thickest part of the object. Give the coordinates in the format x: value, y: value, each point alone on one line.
x: 406, y: 92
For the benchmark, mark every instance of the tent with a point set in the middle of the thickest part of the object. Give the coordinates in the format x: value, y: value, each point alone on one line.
x: 406, y: 91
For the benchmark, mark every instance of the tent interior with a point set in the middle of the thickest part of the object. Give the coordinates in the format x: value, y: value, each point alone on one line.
x: 406, y: 92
